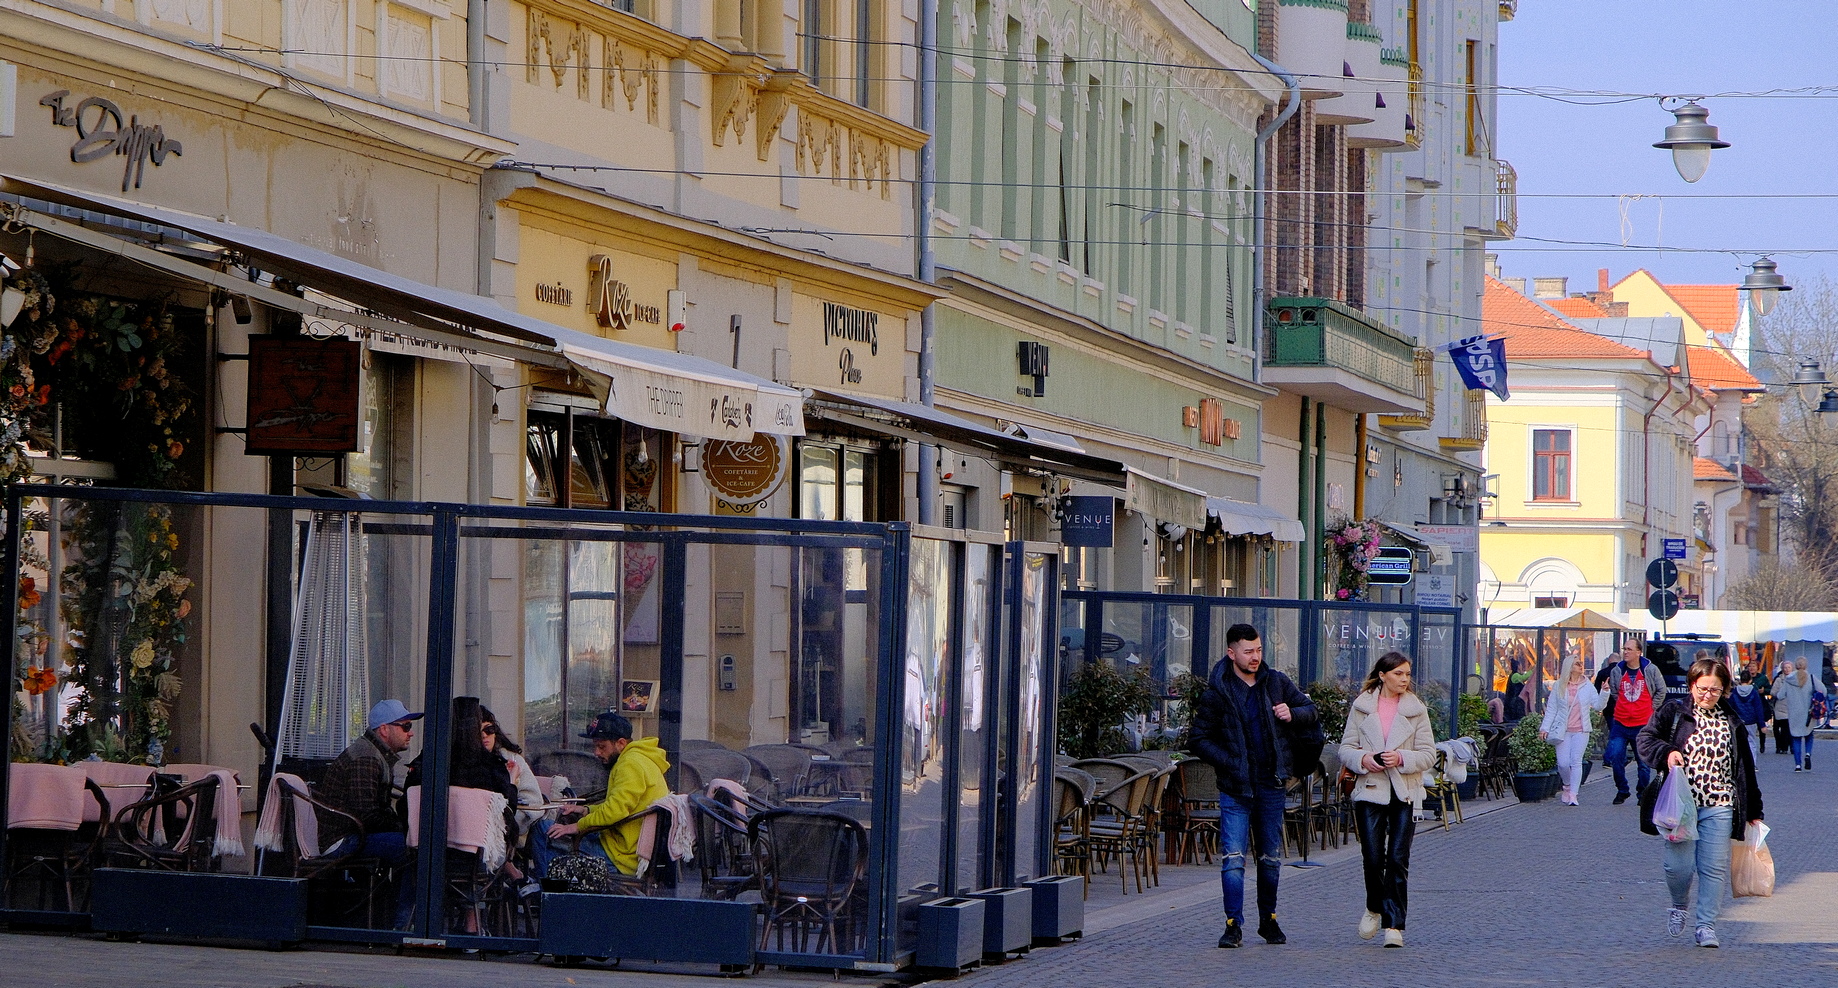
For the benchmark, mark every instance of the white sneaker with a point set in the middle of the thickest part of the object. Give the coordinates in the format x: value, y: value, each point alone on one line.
x: 1369, y: 925
x: 1675, y: 922
x: 1394, y: 938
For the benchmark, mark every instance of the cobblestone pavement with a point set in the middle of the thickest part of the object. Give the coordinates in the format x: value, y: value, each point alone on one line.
x: 1530, y: 894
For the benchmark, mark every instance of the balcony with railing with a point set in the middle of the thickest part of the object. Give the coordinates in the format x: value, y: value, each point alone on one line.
x: 1325, y: 350
x: 1473, y: 435
x: 1413, y: 121
x: 1508, y: 10
x: 1506, y: 220
x: 1426, y: 390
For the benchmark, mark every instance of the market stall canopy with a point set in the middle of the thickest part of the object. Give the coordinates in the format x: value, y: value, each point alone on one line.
x: 1244, y: 518
x: 647, y: 386
x: 925, y: 424
x: 1744, y: 626
x: 1555, y: 617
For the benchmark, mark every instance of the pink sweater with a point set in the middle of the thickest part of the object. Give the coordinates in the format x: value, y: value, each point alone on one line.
x: 1387, y: 712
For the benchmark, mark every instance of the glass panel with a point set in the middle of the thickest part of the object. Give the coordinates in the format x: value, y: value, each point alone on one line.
x: 817, y: 483
x: 1279, y: 628
x: 1155, y: 640
x: 975, y: 719
x: 1352, y: 640
x: 1432, y: 672
x: 588, y: 466
x: 922, y: 721
x: 854, y: 485
x: 542, y: 439
x: 1031, y: 685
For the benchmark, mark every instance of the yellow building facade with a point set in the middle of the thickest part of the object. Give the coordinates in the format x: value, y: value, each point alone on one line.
x: 1590, y: 463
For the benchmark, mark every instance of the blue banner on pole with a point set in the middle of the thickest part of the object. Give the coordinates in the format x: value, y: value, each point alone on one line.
x: 1089, y: 521
x: 1481, y: 363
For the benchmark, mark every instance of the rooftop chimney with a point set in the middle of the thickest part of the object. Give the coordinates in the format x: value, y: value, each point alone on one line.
x: 1601, y: 279
x: 1550, y: 287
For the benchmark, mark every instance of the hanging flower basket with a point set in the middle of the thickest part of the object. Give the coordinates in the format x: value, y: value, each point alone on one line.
x: 1352, y: 545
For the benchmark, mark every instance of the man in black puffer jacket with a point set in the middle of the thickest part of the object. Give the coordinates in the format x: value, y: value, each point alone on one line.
x: 1244, y: 726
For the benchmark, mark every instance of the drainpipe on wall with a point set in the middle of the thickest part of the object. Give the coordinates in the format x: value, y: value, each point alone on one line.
x: 1319, y: 534
x: 1260, y: 188
x: 927, y: 113
x: 1305, y: 556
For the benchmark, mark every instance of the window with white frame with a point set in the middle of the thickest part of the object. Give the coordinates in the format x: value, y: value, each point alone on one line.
x: 1552, y: 450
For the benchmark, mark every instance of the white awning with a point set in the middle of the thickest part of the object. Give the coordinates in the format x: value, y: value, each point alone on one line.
x: 644, y: 385
x: 1246, y: 518
x: 1744, y: 626
x: 1164, y: 500
x: 677, y: 392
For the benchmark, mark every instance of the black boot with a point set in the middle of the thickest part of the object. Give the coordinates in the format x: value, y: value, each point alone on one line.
x: 1272, y: 933
x: 1233, y: 935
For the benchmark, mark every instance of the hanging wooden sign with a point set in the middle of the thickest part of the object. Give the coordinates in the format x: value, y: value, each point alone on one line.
x: 304, y: 395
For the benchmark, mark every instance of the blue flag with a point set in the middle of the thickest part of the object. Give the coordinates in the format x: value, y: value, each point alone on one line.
x: 1482, y: 363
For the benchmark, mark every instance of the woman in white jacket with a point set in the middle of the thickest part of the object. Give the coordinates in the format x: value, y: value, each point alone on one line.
x: 1388, y: 743
x: 1566, y: 723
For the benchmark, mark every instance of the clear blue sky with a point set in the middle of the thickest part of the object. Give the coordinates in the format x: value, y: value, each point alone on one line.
x: 1780, y: 145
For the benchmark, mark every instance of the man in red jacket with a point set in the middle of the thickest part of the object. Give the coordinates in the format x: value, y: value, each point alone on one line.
x: 1635, y: 689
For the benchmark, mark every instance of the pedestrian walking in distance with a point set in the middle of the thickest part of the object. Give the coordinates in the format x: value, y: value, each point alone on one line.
x: 1256, y: 729
x: 1389, y: 744
x: 1703, y: 735
x: 1566, y: 724
x: 1752, y: 709
x: 1793, y: 700
x: 1635, y: 686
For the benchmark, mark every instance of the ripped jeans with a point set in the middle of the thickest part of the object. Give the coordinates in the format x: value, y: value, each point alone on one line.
x: 1253, y: 825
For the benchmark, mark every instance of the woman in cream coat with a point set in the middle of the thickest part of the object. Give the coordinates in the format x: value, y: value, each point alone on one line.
x: 1566, y: 723
x: 1389, y: 745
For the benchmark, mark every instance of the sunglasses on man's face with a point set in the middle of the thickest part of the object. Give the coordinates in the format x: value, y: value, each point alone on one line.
x: 405, y: 726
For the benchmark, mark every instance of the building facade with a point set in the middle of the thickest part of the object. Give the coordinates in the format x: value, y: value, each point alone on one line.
x: 1594, y: 458
x: 1093, y: 226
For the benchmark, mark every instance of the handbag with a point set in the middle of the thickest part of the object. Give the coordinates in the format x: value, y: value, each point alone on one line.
x: 1347, y: 780
x: 578, y: 872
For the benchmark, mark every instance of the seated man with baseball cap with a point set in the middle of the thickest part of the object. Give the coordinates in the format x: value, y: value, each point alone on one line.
x: 634, y: 782
x: 361, y: 782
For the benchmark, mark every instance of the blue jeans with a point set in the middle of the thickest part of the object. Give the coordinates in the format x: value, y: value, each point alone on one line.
x: 543, y: 850
x: 1250, y: 825
x: 1620, y: 736
x: 1802, y: 749
x: 392, y: 849
x: 1708, y: 858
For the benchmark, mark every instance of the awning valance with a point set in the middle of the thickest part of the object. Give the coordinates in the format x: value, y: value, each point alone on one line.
x: 1164, y: 500
x: 926, y: 424
x: 1245, y: 518
x: 657, y: 388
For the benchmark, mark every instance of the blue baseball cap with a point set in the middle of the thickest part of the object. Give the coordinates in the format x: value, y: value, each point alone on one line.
x: 389, y: 712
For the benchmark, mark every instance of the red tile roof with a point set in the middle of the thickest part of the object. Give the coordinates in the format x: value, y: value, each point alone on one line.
x: 1755, y: 478
x: 1704, y: 469
x: 1712, y: 367
x: 1533, y: 331
x: 1577, y: 307
x: 1715, y: 307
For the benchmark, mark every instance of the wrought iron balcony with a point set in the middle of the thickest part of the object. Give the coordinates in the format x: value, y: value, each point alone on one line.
x: 1507, y: 218
x: 1413, y: 125
x: 1331, y: 352
x: 1473, y: 426
x: 1426, y: 390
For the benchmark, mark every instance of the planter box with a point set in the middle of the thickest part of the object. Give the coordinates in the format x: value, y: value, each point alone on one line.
x: 198, y: 904
x: 1531, y: 787
x: 1059, y: 908
x: 950, y: 934
x: 1470, y: 789
x: 695, y: 931
x: 1008, y: 921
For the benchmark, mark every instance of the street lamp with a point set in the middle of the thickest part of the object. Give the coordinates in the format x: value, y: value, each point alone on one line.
x: 1764, y: 285
x: 1809, y: 373
x: 1691, y: 139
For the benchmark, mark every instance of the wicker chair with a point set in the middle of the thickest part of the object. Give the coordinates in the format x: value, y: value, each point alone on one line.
x: 1195, y: 825
x: 810, y: 864
x: 173, y: 831
x: 1072, y: 825
x: 1120, y: 825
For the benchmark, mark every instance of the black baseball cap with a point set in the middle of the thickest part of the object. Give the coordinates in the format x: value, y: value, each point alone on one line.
x: 610, y: 726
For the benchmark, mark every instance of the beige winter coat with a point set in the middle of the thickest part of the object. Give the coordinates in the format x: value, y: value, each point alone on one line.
x: 1410, y: 736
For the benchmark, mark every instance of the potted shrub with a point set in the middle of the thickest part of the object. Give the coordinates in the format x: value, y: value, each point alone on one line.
x: 1537, y: 776
x: 1094, y: 705
x: 1468, y: 717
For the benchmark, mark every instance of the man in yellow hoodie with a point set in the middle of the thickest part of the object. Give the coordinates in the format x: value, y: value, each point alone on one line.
x: 634, y: 781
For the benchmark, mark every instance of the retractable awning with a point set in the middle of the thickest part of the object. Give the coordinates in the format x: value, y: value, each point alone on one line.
x: 1164, y: 500
x: 1244, y: 518
x: 656, y: 388
x: 925, y: 424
